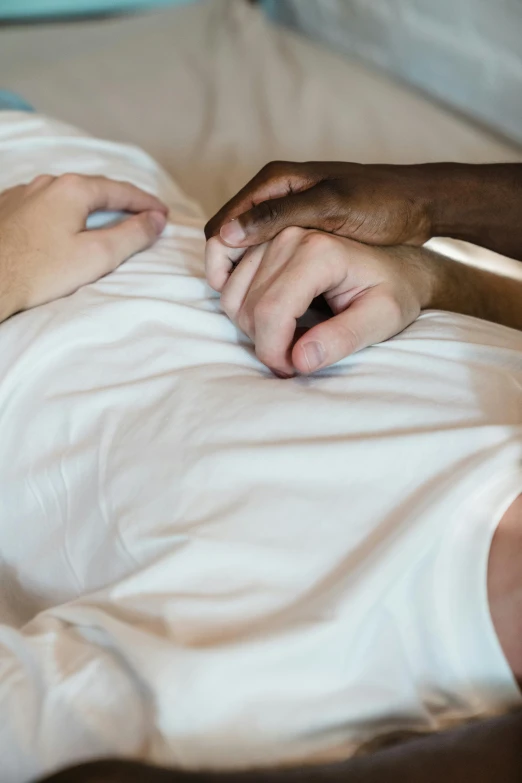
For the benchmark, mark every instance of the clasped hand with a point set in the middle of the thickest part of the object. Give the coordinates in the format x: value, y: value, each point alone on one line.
x: 269, y: 271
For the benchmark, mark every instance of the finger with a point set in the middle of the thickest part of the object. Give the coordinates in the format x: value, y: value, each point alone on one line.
x: 90, y: 194
x: 275, y: 180
x: 39, y: 183
x: 317, y: 207
x: 256, y: 272
x: 372, y: 318
x: 287, y: 299
x: 111, y: 246
x: 220, y: 260
x: 238, y: 285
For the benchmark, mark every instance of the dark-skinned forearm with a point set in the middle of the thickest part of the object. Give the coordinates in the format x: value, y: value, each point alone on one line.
x: 481, y: 204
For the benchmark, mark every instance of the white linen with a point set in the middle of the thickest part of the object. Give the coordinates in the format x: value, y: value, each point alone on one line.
x: 203, y: 565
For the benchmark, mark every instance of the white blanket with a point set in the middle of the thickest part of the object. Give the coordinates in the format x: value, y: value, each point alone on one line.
x: 203, y: 565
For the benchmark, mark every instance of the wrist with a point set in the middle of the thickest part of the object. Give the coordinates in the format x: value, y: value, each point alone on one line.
x: 434, y: 192
x: 447, y: 190
x: 477, y: 203
x: 434, y: 277
x: 453, y: 286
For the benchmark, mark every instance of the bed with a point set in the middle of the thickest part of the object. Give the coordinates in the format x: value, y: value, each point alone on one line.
x: 206, y: 567
x: 212, y: 91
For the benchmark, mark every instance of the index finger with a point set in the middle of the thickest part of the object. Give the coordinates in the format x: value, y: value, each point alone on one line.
x: 89, y: 194
x: 287, y: 299
x: 220, y: 261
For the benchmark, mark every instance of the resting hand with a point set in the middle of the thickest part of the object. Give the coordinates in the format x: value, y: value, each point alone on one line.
x: 373, y: 294
x: 45, y: 253
x: 380, y: 205
x: 375, y: 204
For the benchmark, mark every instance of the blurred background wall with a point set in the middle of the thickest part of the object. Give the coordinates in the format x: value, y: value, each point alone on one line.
x: 213, y: 89
x: 467, y: 53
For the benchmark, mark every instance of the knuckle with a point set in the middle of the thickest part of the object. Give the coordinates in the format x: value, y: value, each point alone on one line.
x: 275, y: 168
x: 41, y: 179
x: 333, y: 188
x: 351, y: 339
x: 265, y: 213
x: 147, y: 224
x: 317, y: 241
x: 332, y: 204
x: 290, y: 234
x: 71, y: 183
x: 269, y: 356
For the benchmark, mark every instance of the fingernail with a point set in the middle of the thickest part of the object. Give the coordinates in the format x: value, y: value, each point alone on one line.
x: 314, y: 354
x: 232, y: 233
x: 159, y: 221
x: 283, y: 375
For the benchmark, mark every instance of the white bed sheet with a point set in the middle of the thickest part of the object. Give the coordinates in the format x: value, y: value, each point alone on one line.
x: 203, y: 565
x: 213, y: 91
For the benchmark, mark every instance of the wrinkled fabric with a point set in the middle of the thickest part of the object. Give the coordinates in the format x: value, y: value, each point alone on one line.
x: 203, y: 565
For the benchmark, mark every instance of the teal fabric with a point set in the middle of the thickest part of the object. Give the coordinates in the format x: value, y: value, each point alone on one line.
x: 272, y: 8
x: 14, y: 102
x: 18, y: 9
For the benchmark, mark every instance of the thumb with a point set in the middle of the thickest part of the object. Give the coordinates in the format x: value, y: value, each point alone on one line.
x: 372, y: 318
x: 316, y: 207
x: 114, y: 245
